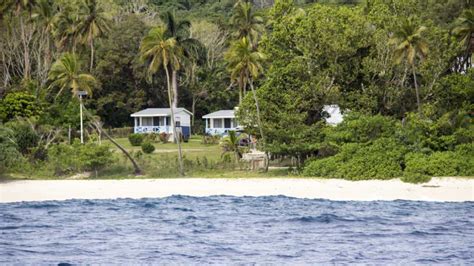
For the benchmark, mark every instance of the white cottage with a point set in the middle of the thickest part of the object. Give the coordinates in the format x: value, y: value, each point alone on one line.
x: 220, y: 122
x: 158, y: 120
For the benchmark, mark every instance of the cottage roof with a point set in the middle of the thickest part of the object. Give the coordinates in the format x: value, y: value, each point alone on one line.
x: 221, y: 114
x: 335, y: 115
x: 159, y: 112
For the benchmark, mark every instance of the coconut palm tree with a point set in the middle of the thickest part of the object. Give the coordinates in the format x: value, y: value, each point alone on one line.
x: 158, y: 51
x: 65, y: 29
x: 247, y: 22
x: 464, y: 30
x: 66, y: 73
x: 94, y: 22
x: 410, y: 45
x: 231, y: 144
x: 244, y: 64
x: 192, y: 49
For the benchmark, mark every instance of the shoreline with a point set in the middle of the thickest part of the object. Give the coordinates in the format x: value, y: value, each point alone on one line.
x: 438, y: 189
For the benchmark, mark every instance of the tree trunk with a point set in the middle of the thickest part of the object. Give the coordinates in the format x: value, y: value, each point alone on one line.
x: 92, y: 55
x: 26, y: 50
x: 193, y: 110
x: 259, y: 121
x: 175, y: 88
x: 138, y: 171
x: 416, y: 91
x: 173, y: 124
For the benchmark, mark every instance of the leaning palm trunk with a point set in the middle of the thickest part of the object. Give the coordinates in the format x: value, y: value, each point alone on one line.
x: 175, y: 88
x: 173, y: 125
x: 259, y: 121
x: 138, y: 171
x: 418, y: 102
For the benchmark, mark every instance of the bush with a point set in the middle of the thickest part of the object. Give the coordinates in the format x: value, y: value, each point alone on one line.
x: 360, y: 128
x: 67, y: 159
x: 9, y: 154
x: 415, y: 178
x: 121, y: 132
x: 210, y: 139
x: 380, y: 159
x: 164, y: 137
x: 135, y: 139
x: 445, y: 163
x: 147, y: 147
x: 24, y: 135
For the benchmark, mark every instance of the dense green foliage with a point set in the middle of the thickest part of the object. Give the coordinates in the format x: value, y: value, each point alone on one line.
x: 136, y: 139
x: 401, y: 72
x: 147, y: 147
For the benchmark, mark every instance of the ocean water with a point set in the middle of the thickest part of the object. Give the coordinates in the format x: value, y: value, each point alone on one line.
x: 236, y: 230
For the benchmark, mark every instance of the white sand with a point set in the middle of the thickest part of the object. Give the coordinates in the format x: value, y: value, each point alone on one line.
x: 439, y: 189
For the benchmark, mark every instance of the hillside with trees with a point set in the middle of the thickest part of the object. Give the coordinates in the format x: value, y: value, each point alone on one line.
x: 401, y: 72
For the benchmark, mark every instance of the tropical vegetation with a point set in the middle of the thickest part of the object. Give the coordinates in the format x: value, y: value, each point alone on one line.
x: 400, y: 71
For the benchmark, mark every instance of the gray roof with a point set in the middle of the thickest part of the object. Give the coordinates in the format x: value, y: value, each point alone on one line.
x: 221, y: 114
x: 159, y: 112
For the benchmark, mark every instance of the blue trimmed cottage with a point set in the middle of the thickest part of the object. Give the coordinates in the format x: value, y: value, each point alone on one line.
x: 158, y: 120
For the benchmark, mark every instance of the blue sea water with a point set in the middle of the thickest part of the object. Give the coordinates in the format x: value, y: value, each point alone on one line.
x: 241, y: 230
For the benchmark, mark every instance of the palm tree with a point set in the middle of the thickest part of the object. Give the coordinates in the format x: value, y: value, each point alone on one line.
x: 244, y: 64
x: 66, y: 73
x: 45, y: 19
x: 230, y: 144
x: 93, y: 23
x: 159, y: 51
x: 66, y: 28
x: 247, y: 22
x: 464, y: 30
x: 192, y: 49
x: 410, y: 45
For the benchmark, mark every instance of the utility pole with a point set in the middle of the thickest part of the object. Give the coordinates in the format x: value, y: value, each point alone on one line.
x: 80, y: 94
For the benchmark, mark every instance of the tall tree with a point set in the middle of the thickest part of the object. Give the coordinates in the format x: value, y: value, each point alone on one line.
x: 410, y: 45
x: 66, y: 73
x: 19, y: 7
x: 191, y: 48
x: 158, y: 51
x: 94, y: 22
x: 245, y: 65
x: 247, y: 22
x: 464, y: 30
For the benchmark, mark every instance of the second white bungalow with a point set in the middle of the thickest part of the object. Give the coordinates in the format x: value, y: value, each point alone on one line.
x: 158, y: 120
x: 220, y: 122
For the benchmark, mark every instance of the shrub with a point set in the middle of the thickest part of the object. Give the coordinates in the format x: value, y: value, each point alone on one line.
x: 380, y: 159
x: 24, y: 135
x: 66, y: 159
x: 210, y: 139
x: 415, y: 178
x: 135, y: 139
x: 164, y: 137
x: 93, y: 157
x: 147, y: 147
x: 361, y: 128
x: 9, y: 155
x: 446, y: 163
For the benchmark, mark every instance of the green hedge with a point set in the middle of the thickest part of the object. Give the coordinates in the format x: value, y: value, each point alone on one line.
x: 147, y: 147
x: 380, y: 159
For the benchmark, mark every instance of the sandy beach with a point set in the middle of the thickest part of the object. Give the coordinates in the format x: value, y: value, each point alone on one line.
x: 438, y: 189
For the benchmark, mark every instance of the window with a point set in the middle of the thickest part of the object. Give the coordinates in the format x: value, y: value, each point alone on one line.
x: 217, y: 123
x: 227, y: 123
x: 147, y: 121
x: 156, y: 121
